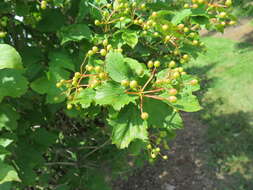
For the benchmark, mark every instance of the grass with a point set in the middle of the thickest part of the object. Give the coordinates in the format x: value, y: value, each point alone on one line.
x: 227, y: 98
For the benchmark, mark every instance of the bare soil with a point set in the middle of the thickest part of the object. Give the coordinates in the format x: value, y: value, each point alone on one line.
x: 187, y: 166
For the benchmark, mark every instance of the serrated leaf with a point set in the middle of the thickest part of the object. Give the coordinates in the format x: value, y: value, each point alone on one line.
x: 59, y: 66
x: 8, y: 173
x: 12, y: 83
x: 9, y: 57
x: 8, y: 117
x: 162, y: 115
x: 84, y: 98
x: 136, y: 67
x: 116, y: 67
x: 52, y: 20
x: 128, y: 126
x: 113, y: 94
x: 130, y: 37
x: 74, y: 32
x: 181, y: 15
x: 185, y: 102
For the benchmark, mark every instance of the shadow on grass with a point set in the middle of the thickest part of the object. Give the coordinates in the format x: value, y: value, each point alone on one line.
x: 229, y: 136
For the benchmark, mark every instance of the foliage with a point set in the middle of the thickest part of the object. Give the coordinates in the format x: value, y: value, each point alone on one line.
x: 89, y: 75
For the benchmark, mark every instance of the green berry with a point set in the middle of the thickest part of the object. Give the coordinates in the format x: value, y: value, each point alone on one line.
x: 150, y: 64
x: 69, y: 106
x: 165, y: 27
x: 194, y: 82
x: 195, y: 42
x: 103, y: 52
x: 133, y: 84
x: 3, y: 34
x: 43, y: 5
x: 154, y: 14
x: 195, y: 6
x: 90, y: 53
x: 228, y: 3
x: 58, y: 84
x: 109, y: 47
x: 186, y: 29
x: 165, y: 157
x: 94, y: 49
x: 144, y: 115
x: 105, y: 42
x: 172, y: 64
x: 97, y: 22
x: 149, y: 146
x: 102, y: 75
x: 157, y: 63
x: 172, y: 91
x: 222, y: 15
x: 125, y: 83
x: 89, y: 67
x: 172, y: 99
x: 186, y: 6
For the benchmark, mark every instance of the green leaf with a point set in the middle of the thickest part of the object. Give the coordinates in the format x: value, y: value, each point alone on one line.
x: 85, y: 97
x: 185, y: 102
x: 181, y: 15
x: 12, y: 83
x: 130, y: 37
x: 9, y: 57
x: 52, y: 20
x: 83, y: 10
x: 8, y: 173
x: 116, y: 67
x: 74, y: 32
x: 136, y: 67
x: 8, y: 117
x: 6, y: 186
x: 59, y: 66
x: 113, y: 94
x: 128, y: 126
x: 162, y: 115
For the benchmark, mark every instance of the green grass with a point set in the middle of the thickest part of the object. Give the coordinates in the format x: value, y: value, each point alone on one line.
x: 227, y: 98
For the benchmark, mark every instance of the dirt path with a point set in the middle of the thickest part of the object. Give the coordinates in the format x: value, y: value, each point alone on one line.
x: 186, y: 168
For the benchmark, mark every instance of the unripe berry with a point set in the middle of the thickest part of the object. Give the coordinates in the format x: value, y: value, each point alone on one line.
x: 165, y: 157
x: 97, y: 22
x: 58, y: 84
x: 194, y: 82
x: 125, y: 83
x: 165, y: 27
x: 167, y: 38
x: 172, y: 91
x: 192, y: 34
x: 3, y: 34
x: 172, y: 64
x: 153, y: 156
x: 120, y: 50
x: 176, y: 52
x: 102, y: 75
x: 156, y: 34
x: 109, y: 47
x: 97, y: 69
x: 157, y: 149
x: 180, y: 26
x: 143, y: 6
x: 201, y: 1
x: 90, y: 53
x: 133, y: 84
x: 144, y: 32
x: 186, y: 6
x: 223, y: 23
x: 172, y: 99
x: 180, y: 69
x: 228, y: 3
x: 195, y: 42
x: 150, y: 64
x: 89, y: 67
x: 149, y: 146
x: 222, y: 15
x: 103, y: 52
x: 144, y: 115
x: 105, y: 42
x: 157, y: 63
x: 95, y: 49
x: 136, y: 21
x: 140, y: 21
x: 232, y: 22
x: 186, y: 29
x: 176, y: 75
x: 122, y: 19
x: 43, y: 5
x: 154, y: 14
x: 77, y: 75
x: 69, y: 106
x: 185, y: 56
x: 195, y: 6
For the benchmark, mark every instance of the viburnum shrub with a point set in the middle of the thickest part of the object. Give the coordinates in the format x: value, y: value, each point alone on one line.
x: 90, y: 88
